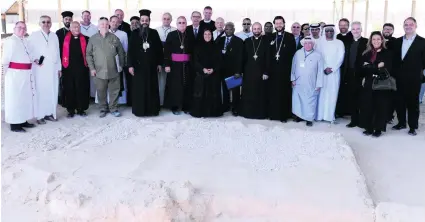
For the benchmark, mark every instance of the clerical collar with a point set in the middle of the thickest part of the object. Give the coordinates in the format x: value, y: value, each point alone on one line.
x: 357, y: 39
x: 344, y: 34
x: 207, y: 21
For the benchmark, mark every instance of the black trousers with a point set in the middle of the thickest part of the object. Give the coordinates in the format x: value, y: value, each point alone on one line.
x: 375, y: 105
x: 355, y: 90
x: 129, y: 84
x: 408, y: 103
x: 234, y: 93
x: 16, y: 126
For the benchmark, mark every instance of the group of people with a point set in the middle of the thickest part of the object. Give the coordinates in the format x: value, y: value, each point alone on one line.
x: 308, y: 74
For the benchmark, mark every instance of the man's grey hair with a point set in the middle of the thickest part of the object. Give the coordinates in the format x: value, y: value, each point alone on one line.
x: 231, y: 24
x: 356, y: 23
x: 219, y: 18
x: 195, y: 12
x: 45, y: 17
x: 169, y: 14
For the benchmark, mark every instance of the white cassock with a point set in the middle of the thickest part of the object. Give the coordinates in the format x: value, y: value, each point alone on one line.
x: 46, y: 75
x: 333, y: 55
x: 124, y: 41
x: 88, y: 30
x: 307, y: 73
x: 162, y: 77
x: 243, y: 35
x: 19, y: 88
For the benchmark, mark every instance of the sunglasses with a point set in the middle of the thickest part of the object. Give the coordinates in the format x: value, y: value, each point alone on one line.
x: 296, y: 27
x: 246, y: 23
x: 44, y: 22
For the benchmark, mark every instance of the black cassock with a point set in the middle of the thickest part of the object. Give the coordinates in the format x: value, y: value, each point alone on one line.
x: 347, y: 40
x: 280, y: 88
x: 207, y: 87
x: 145, y: 92
x: 179, y: 85
x: 61, y: 36
x: 254, y: 88
x: 76, y: 78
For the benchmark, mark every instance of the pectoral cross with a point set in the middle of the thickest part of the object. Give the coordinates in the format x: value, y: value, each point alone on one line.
x: 277, y: 57
x: 255, y: 56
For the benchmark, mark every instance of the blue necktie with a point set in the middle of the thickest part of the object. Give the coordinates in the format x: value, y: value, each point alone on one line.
x: 227, y: 42
x: 196, y: 32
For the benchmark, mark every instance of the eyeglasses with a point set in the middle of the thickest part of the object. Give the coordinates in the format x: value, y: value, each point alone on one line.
x: 246, y: 23
x: 44, y: 22
x: 296, y: 27
x: 181, y: 23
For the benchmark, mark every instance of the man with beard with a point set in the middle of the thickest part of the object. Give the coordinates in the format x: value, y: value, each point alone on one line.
x: 123, y: 26
x: 134, y: 23
x: 387, y: 32
x: 315, y: 31
x: 351, y: 79
x: 332, y: 51
x: 145, y: 58
x: 232, y: 52
x: 408, y: 66
x: 177, y: 50
x: 246, y: 29
x: 207, y: 23
x: 268, y: 29
x: 256, y: 64
x: 163, y: 32
x: 75, y: 72
x: 219, y: 31
x: 87, y: 28
x: 347, y: 38
x: 195, y: 28
x: 282, y: 49
x: 66, y: 19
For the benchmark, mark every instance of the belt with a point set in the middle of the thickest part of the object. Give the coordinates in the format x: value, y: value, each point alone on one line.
x: 180, y: 57
x: 23, y: 66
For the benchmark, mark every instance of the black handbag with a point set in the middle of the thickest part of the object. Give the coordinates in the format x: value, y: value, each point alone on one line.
x: 383, y: 82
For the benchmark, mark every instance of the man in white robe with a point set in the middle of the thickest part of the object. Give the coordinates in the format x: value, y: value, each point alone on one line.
x: 87, y: 28
x: 163, y: 32
x: 113, y: 23
x: 19, y: 86
x: 219, y: 28
x: 307, y: 79
x: 332, y: 51
x: 45, y: 43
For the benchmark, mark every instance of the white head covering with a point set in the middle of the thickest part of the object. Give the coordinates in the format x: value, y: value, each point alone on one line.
x: 308, y: 39
x: 315, y: 25
x: 323, y: 37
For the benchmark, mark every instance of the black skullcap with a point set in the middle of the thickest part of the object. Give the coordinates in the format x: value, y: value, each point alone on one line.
x: 135, y: 18
x: 67, y: 14
x: 145, y: 12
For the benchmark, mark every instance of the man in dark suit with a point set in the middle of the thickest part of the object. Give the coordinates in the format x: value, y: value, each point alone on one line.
x: 351, y: 80
x: 232, y: 51
x: 207, y: 22
x: 409, y: 63
x: 123, y: 26
x: 195, y: 29
x: 387, y: 32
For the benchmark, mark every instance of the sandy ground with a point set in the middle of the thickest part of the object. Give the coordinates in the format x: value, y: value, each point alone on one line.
x: 38, y: 168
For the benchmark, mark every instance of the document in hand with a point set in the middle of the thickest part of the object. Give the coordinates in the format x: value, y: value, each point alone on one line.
x: 233, y: 82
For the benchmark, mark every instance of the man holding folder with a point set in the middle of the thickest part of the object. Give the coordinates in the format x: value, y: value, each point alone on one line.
x: 232, y: 52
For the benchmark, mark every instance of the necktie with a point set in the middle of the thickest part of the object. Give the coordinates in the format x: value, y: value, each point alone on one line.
x: 196, y: 32
x: 227, y: 42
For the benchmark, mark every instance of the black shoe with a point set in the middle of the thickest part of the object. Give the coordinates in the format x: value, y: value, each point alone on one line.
x: 399, y: 127
x: 351, y: 125
x: 235, y: 113
x: 18, y: 130
x: 367, y: 132
x: 82, y: 113
x: 297, y: 119
x: 50, y: 118
x: 27, y: 125
x: 377, y: 133
x: 41, y: 121
x: 412, y: 132
x: 309, y: 123
x: 70, y: 115
x: 176, y: 112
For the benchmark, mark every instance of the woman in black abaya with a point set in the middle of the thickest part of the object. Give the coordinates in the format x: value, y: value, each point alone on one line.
x: 207, y: 84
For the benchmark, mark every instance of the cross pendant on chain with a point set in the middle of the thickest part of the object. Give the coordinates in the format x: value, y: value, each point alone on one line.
x: 255, y: 56
x: 277, y: 57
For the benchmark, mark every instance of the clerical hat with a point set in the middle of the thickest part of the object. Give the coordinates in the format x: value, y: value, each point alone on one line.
x: 145, y: 12
x: 67, y: 14
x: 135, y: 18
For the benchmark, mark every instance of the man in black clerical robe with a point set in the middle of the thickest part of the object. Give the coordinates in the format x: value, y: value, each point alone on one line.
x: 144, y: 59
x: 347, y: 38
x: 255, y: 83
x: 75, y: 72
x: 66, y: 19
x: 178, y: 49
x: 387, y: 32
x: 231, y: 48
x: 282, y: 48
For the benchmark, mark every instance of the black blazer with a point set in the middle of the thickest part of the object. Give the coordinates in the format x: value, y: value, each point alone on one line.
x: 232, y: 59
x: 409, y: 71
x: 189, y: 31
x: 358, y: 64
x: 371, y: 69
